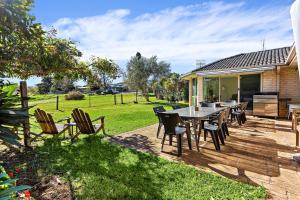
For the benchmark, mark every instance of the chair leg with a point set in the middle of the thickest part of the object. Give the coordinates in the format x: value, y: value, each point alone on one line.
x: 226, y: 129
x: 163, y: 141
x: 158, y: 129
x: 205, y: 135
x: 223, y: 130
x: 220, y: 133
x: 215, y: 140
x: 179, y: 144
x: 238, y: 117
x: 170, y: 140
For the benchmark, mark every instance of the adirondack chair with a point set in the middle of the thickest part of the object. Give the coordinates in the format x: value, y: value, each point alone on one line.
x: 48, y: 125
x: 84, y: 123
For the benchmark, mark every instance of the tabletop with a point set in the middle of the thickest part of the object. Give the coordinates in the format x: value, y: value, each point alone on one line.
x: 189, y: 112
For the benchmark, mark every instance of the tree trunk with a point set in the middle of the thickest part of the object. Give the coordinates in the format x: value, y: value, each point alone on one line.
x: 146, y: 95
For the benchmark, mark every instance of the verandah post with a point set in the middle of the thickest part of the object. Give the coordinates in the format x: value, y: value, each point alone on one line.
x: 24, y: 103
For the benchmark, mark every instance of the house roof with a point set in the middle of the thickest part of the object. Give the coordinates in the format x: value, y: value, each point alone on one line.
x: 271, y: 57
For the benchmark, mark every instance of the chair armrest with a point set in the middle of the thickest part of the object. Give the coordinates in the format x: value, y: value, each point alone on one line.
x: 99, y: 118
x: 68, y: 119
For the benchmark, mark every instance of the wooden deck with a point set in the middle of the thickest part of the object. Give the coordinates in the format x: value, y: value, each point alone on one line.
x: 259, y: 153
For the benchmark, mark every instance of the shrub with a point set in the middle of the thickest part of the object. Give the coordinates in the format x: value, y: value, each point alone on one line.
x: 74, y: 95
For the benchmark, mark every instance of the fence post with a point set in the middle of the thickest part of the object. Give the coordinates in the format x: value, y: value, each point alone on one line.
x: 57, y: 101
x: 122, y: 98
x: 136, y: 96
x: 24, y: 103
x: 115, y: 99
x: 90, y: 104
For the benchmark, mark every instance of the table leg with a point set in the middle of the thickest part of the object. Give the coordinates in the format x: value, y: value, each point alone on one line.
x: 188, y: 134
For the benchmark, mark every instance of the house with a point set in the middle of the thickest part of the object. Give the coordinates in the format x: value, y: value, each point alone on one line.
x: 241, y: 76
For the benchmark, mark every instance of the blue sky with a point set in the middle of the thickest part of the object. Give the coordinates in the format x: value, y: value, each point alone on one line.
x: 179, y: 32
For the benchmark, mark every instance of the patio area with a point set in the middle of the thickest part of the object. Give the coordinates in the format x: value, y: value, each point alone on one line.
x: 258, y: 153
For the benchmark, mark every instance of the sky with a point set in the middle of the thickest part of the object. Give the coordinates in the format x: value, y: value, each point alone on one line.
x: 177, y: 31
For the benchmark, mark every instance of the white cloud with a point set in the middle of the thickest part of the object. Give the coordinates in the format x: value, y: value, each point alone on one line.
x: 182, y: 34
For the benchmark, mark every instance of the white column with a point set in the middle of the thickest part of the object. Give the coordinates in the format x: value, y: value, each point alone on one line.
x: 190, y: 91
x: 200, y: 89
x: 239, y: 86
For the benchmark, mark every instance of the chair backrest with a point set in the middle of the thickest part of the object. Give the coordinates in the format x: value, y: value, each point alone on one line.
x: 175, y: 107
x: 244, y: 106
x: 46, y: 121
x: 158, y: 109
x: 83, y: 121
x: 221, y: 118
x: 205, y: 104
x: 227, y: 113
x: 170, y: 121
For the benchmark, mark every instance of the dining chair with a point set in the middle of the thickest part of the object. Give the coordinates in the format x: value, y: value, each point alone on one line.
x: 157, y: 110
x: 216, y: 131
x: 171, y: 123
x: 240, y: 113
x: 175, y: 107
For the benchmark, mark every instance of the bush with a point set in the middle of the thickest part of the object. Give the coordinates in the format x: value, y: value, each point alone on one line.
x: 74, y: 95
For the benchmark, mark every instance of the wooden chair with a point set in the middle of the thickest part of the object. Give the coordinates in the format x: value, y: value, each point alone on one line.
x: 157, y: 110
x: 171, y: 123
x: 295, y: 123
x: 48, y: 125
x: 85, y: 125
x: 295, y: 117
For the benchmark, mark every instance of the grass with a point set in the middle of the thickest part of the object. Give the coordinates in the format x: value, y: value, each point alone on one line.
x: 100, y: 170
x: 118, y: 118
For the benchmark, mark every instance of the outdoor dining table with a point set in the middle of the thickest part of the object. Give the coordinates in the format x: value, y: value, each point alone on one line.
x: 195, y: 117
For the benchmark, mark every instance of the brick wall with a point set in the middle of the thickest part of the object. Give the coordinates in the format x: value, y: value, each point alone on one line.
x: 289, y: 86
x: 269, y: 81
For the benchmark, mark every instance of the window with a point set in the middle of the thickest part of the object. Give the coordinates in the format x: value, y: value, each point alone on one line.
x: 211, y: 89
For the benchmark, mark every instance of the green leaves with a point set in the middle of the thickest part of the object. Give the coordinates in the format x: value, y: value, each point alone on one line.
x: 7, y: 186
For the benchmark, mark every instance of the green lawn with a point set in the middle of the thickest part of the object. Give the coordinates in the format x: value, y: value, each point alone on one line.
x: 118, y: 118
x: 100, y: 170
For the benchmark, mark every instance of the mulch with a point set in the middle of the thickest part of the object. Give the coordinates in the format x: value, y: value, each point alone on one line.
x: 25, y: 166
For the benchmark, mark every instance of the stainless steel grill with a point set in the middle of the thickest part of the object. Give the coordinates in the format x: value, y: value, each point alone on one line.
x: 265, y: 105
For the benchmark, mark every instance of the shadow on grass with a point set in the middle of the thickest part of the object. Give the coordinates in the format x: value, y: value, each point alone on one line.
x: 101, y: 170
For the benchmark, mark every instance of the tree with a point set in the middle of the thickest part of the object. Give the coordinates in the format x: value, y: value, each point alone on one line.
x: 64, y: 84
x: 45, y: 85
x: 141, y: 71
x: 27, y: 50
x: 103, y: 71
x: 173, y: 87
